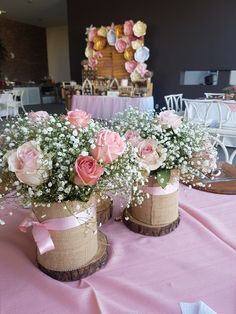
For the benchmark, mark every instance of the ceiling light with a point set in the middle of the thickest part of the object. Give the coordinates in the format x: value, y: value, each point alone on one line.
x: 2, y: 12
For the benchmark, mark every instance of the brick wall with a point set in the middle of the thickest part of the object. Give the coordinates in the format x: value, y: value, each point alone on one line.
x: 28, y: 43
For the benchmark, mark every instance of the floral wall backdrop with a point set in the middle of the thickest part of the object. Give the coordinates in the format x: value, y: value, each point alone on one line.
x: 182, y: 35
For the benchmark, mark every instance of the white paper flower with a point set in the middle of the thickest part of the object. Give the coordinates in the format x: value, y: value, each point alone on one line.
x: 139, y: 29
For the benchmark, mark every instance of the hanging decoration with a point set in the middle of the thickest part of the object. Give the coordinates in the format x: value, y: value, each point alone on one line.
x: 127, y: 38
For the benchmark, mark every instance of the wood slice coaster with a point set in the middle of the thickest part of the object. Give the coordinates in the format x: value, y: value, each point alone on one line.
x: 98, y: 261
x: 145, y: 229
x: 229, y: 187
x: 104, y: 214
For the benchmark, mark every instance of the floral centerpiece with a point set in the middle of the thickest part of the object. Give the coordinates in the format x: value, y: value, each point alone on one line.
x: 168, y: 149
x: 57, y: 163
x: 127, y: 39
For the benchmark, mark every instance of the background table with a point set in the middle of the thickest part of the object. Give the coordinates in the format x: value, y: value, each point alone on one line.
x: 144, y: 275
x: 106, y: 107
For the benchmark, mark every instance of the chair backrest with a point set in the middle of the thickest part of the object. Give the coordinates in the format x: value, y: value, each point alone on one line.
x: 214, y: 95
x: 211, y: 113
x: 226, y: 154
x: 174, y: 102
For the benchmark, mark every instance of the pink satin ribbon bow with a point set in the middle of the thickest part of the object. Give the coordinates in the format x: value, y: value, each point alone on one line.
x: 170, y: 188
x: 40, y: 230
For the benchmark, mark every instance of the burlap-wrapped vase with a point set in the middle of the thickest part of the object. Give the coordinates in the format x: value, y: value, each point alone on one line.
x: 104, y: 209
x: 79, y: 251
x: 158, y: 214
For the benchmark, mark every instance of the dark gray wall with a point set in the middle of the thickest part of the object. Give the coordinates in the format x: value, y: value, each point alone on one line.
x: 181, y: 35
x: 29, y: 45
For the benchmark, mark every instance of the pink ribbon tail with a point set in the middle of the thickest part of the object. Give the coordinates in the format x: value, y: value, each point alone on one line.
x: 40, y: 234
x: 40, y: 230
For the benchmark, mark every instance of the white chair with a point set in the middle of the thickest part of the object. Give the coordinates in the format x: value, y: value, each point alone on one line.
x: 201, y: 112
x: 219, y: 117
x: 214, y: 95
x: 18, y: 98
x: 6, y: 104
x: 175, y: 102
x: 225, y: 153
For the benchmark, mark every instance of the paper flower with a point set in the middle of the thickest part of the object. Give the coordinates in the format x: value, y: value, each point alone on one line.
x: 88, y: 52
x: 128, y: 28
x: 130, y: 66
x: 136, y: 44
x: 99, y: 42
x: 141, y: 54
x: 92, y: 62
x: 129, y: 54
x: 92, y: 33
x: 111, y: 37
x: 120, y: 45
x: 119, y: 30
x: 139, y: 29
x: 135, y: 76
x: 141, y: 69
x: 102, y: 31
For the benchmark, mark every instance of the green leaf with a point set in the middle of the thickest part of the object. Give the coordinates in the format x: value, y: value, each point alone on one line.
x: 163, y: 177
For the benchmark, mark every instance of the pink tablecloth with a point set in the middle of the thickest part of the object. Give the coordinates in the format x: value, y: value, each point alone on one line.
x: 105, y: 107
x: 144, y: 275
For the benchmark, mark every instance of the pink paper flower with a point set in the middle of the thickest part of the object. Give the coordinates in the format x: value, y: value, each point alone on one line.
x: 92, y: 33
x: 98, y: 55
x: 79, y: 118
x: 92, y: 62
x: 87, y: 171
x: 27, y: 163
x: 151, y: 154
x: 133, y: 137
x: 130, y: 66
x: 38, y: 115
x: 108, y: 146
x: 141, y: 69
x: 120, y: 45
x: 128, y: 28
x: 169, y: 119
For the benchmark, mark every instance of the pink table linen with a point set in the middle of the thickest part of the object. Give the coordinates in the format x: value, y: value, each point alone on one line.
x: 105, y: 107
x: 144, y: 275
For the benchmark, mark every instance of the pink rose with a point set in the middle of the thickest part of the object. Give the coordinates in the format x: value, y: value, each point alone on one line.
x: 27, y: 163
x: 79, y: 118
x: 151, y: 154
x: 141, y: 69
x: 108, y: 146
x: 92, y: 33
x: 133, y: 137
x: 87, y: 171
x: 170, y: 119
x: 120, y: 45
x: 92, y: 62
x: 38, y: 115
x: 130, y: 66
x: 128, y: 28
